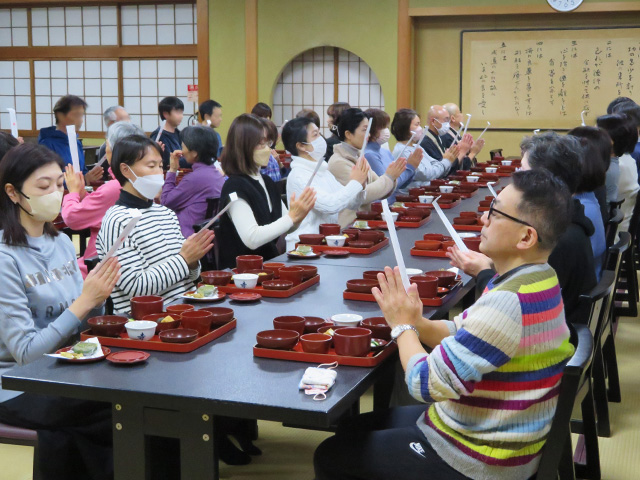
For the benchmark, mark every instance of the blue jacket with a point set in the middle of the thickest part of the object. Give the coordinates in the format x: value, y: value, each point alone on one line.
x: 55, y: 140
x: 379, y: 159
x: 598, y: 239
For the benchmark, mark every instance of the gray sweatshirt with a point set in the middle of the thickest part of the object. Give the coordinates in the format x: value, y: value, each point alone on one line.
x: 37, y: 285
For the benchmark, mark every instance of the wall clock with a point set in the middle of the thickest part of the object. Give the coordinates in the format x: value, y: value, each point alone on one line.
x: 564, y: 5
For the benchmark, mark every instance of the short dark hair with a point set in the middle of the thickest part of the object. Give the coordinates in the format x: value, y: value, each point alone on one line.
x: 561, y: 155
x: 16, y: 166
x: 631, y: 110
x: 66, y: 103
x: 272, y: 131
x: 622, y: 131
x: 168, y: 104
x: 545, y: 204
x: 245, y: 134
x: 261, y: 109
x: 596, y: 156
x: 7, y: 142
x: 294, y: 132
x: 202, y: 140
x: 129, y: 150
x: 334, y: 111
x: 310, y: 114
x: 207, y: 107
x: 615, y: 102
x: 380, y: 120
x: 349, y: 121
x: 401, y: 125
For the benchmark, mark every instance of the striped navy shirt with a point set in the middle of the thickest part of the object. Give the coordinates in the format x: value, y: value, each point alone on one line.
x: 149, y: 258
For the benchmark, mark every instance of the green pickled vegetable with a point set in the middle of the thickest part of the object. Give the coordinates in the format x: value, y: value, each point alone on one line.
x: 85, y: 348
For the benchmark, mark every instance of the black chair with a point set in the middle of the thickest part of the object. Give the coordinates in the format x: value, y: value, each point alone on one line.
x: 615, y: 206
x: 212, y: 207
x: 557, y: 456
x: 282, y: 190
x: 84, y: 236
x: 10, y: 435
x: 611, y: 228
x: 91, y: 263
x: 627, y: 288
x: 212, y: 259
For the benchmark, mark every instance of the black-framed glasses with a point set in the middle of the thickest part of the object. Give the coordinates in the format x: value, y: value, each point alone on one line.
x: 493, y: 210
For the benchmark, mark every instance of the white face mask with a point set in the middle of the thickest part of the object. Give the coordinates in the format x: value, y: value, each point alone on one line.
x: 319, y: 148
x: 45, y: 208
x: 148, y: 186
x: 417, y: 134
x: 444, y: 128
x: 384, y: 136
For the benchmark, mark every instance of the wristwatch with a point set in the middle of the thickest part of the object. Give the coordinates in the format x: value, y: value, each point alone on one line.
x: 398, y: 329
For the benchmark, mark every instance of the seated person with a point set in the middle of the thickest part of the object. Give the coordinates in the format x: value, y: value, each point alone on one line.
x: 408, y: 132
x: 352, y: 127
x: 7, y: 142
x: 310, y: 114
x: 632, y: 110
x: 156, y: 259
x: 82, y: 210
x: 110, y: 116
x: 189, y: 198
x: 301, y: 138
x: 211, y: 115
x: 456, y: 124
x: 170, y: 109
x: 262, y: 110
x: 43, y: 303
x: 272, y: 170
x: 572, y: 257
x: 438, y: 130
x: 68, y: 110
x: 333, y: 114
x: 380, y: 158
x: 475, y: 381
x: 254, y: 222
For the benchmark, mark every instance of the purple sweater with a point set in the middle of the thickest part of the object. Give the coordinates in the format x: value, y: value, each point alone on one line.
x: 189, y: 198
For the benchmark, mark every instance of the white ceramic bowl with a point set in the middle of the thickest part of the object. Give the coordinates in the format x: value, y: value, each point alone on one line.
x: 446, y: 188
x: 245, y: 280
x: 491, y: 169
x: 141, y: 329
x: 346, y: 319
x: 472, y: 179
x: 426, y: 198
x: 506, y: 163
x: 394, y: 216
x: 335, y: 240
x: 414, y: 271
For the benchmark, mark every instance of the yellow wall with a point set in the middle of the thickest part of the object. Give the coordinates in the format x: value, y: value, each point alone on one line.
x: 437, y: 66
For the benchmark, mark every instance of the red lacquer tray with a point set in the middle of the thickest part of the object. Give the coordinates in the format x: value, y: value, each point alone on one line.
x: 467, y: 194
x: 357, y: 251
x: 297, y: 355
x: 399, y: 223
x: 443, y: 206
x: 468, y: 228
x: 427, y: 302
x: 158, y: 345
x: 416, y: 252
x: 483, y: 209
x: 231, y: 288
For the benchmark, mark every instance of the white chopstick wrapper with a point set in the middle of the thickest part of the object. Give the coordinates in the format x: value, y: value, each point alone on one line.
x: 493, y: 192
x: 164, y: 122
x: 366, y: 136
x: 73, y: 146
x: 102, y: 160
x: 467, y: 124
x: 488, y: 125
x: 135, y: 216
x: 386, y: 214
x: 582, y: 118
x: 97, y: 354
x: 233, y: 197
x: 413, y: 134
x: 536, y: 131
x: 452, y: 231
x: 314, y: 172
x: 13, y: 121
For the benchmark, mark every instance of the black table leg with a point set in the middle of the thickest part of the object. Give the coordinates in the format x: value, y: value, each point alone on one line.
x: 198, y: 452
x: 128, y: 441
x: 383, y: 388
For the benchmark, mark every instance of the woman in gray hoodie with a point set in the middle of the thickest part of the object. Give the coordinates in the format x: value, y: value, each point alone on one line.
x: 42, y: 303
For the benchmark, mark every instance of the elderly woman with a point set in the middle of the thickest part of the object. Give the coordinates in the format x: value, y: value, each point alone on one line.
x: 82, y: 210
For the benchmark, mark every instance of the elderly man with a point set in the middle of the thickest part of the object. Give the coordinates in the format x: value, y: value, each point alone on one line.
x: 491, y: 381
x: 456, y: 123
x: 112, y: 115
x: 438, y: 123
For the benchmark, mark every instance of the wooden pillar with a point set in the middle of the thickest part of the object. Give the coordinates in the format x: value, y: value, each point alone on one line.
x: 251, y: 52
x: 204, y: 93
x: 404, y: 55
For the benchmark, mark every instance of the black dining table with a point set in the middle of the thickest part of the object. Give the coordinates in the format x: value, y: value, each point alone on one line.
x: 178, y: 395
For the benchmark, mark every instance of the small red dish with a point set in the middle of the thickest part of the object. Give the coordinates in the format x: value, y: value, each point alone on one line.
x: 105, y: 351
x: 277, y: 284
x: 443, y: 290
x: 336, y: 253
x: 179, y: 335
x: 245, y: 297
x: 128, y: 357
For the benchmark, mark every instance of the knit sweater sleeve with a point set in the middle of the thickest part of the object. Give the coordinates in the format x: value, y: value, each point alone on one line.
x: 487, y: 336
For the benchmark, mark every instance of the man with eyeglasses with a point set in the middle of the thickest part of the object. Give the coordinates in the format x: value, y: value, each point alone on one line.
x: 572, y: 258
x: 491, y: 380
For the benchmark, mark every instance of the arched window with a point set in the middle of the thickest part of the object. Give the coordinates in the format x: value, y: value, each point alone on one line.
x: 321, y: 76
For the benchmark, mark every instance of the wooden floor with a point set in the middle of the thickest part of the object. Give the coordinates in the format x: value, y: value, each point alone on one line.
x: 288, y: 453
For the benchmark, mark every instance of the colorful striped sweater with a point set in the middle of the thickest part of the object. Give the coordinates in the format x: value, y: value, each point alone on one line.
x: 494, y: 382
